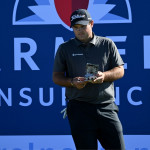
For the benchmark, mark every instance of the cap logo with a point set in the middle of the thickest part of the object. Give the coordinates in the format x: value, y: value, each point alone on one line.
x: 77, y: 16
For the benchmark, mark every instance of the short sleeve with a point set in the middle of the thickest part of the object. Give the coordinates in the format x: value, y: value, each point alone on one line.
x: 59, y: 61
x: 115, y: 58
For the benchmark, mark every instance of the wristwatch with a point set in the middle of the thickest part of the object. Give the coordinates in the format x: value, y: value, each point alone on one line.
x: 72, y: 82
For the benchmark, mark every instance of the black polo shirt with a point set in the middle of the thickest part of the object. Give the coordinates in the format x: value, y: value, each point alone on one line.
x: 72, y: 57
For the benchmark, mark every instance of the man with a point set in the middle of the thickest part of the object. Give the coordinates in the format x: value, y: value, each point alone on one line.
x: 91, y: 110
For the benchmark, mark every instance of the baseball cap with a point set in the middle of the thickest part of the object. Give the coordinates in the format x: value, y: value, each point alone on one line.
x: 80, y: 16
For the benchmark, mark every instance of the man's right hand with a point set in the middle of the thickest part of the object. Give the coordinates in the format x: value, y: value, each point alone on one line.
x: 79, y: 82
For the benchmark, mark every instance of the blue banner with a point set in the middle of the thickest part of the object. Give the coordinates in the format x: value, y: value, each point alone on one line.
x: 31, y: 31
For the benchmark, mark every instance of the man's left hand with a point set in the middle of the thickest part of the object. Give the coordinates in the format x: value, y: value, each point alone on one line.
x: 100, y: 78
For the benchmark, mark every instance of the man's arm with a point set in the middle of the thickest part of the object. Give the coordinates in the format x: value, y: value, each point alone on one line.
x: 60, y: 79
x: 110, y: 76
x: 114, y: 74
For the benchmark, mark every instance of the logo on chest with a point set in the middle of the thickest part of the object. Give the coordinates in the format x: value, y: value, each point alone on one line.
x: 77, y: 54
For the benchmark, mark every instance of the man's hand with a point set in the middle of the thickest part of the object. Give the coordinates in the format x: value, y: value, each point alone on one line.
x: 100, y: 78
x: 79, y: 82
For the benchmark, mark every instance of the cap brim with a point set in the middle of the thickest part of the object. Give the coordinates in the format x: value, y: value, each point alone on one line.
x: 82, y: 22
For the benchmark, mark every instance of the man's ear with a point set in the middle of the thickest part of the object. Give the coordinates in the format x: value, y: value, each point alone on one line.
x: 92, y: 23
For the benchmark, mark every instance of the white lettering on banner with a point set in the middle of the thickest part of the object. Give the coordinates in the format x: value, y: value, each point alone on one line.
x: 51, y: 91
x: 63, y: 97
x: 28, y: 100
x: 129, y: 97
x: 131, y: 101
x: 120, y: 39
x: 8, y: 99
x: 18, y: 55
x: 146, y: 52
x: 117, y: 99
x: 27, y: 56
x: 58, y: 41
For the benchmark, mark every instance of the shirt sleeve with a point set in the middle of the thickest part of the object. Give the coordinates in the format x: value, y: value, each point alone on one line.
x: 59, y: 61
x: 115, y: 58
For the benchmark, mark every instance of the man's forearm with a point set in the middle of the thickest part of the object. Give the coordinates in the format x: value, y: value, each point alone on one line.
x: 60, y: 79
x: 114, y: 74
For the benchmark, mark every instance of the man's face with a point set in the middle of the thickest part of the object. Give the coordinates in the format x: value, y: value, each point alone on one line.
x: 83, y: 32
